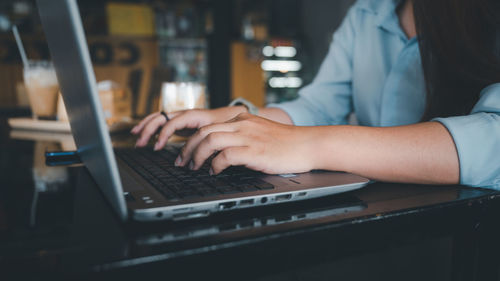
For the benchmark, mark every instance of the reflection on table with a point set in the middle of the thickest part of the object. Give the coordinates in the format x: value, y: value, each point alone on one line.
x: 46, y: 179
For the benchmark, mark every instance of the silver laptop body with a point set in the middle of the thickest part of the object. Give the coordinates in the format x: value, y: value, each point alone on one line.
x: 65, y: 35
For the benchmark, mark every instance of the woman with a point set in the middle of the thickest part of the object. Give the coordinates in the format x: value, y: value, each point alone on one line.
x: 422, y: 77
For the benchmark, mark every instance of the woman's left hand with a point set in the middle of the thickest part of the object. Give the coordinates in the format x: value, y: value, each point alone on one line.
x: 254, y: 142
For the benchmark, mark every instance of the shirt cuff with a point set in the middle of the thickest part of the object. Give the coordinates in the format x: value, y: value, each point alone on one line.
x: 477, y: 140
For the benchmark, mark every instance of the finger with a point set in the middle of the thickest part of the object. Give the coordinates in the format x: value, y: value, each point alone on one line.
x: 150, y: 129
x: 214, y: 142
x: 138, y: 128
x: 189, y: 120
x: 195, y: 140
x: 231, y: 156
x: 174, y: 114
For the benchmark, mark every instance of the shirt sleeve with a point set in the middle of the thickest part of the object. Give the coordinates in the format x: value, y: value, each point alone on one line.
x: 477, y: 139
x: 328, y: 99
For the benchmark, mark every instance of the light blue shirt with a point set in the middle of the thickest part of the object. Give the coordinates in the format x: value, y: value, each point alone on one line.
x: 373, y: 70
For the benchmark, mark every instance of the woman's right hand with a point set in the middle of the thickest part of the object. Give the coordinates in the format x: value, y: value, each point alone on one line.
x: 180, y: 120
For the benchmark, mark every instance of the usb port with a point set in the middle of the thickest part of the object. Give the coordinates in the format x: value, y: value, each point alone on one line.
x: 186, y: 216
x: 283, y: 197
x: 246, y: 202
x: 227, y: 205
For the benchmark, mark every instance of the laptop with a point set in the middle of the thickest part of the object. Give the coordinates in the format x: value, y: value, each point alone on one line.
x: 143, y: 185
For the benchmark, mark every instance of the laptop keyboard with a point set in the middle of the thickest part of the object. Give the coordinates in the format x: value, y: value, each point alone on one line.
x: 175, y: 183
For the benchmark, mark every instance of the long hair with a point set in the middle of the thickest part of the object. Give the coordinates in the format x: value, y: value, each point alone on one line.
x: 459, y: 45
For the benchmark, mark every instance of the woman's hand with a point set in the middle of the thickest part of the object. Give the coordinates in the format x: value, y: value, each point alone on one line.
x: 180, y: 120
x: 254, y: 142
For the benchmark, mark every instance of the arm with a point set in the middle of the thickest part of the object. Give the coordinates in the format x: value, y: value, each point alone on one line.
x: 477, y: 139
x: 459, y: 149
x: 422, y: 153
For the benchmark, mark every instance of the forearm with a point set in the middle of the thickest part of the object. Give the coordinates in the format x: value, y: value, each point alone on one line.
x: 422, y: 153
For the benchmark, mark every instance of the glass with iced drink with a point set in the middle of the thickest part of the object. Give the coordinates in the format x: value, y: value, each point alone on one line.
x: 42, y: 87
x: 182, y: 95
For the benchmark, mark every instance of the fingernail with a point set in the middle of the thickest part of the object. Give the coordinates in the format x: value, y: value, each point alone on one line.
x: 133, y: 130
x: 157, y: 146
x: 191, y: 165
x: 178, y: 161
x: 211, y: 172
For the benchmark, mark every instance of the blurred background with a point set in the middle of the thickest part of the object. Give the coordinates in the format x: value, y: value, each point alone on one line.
x: 262, y: 50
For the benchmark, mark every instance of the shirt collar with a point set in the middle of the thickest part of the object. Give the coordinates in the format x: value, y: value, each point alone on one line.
x: 385, y: 15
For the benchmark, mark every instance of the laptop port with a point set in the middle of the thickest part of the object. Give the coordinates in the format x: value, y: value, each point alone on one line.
x: 193, y: 215
x: 263, y: 200
x: 246, y: 202
x: 283, y: 197
x: 185, y: 209
x: 227, y: 205
x: 301, y: 194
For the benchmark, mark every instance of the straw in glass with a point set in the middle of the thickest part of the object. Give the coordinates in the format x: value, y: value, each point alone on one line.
x: 20, y: 46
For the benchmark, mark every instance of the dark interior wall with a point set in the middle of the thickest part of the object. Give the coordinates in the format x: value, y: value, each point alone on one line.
x: 320, y: 18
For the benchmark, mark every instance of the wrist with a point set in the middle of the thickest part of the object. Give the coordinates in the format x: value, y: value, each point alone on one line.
x: 237, y: 109
x: 328, y: 150
x: 312, y: 143
x: 223, y: 114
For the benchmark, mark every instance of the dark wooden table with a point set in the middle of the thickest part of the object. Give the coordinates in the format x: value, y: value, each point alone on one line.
x: 54, y: 222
